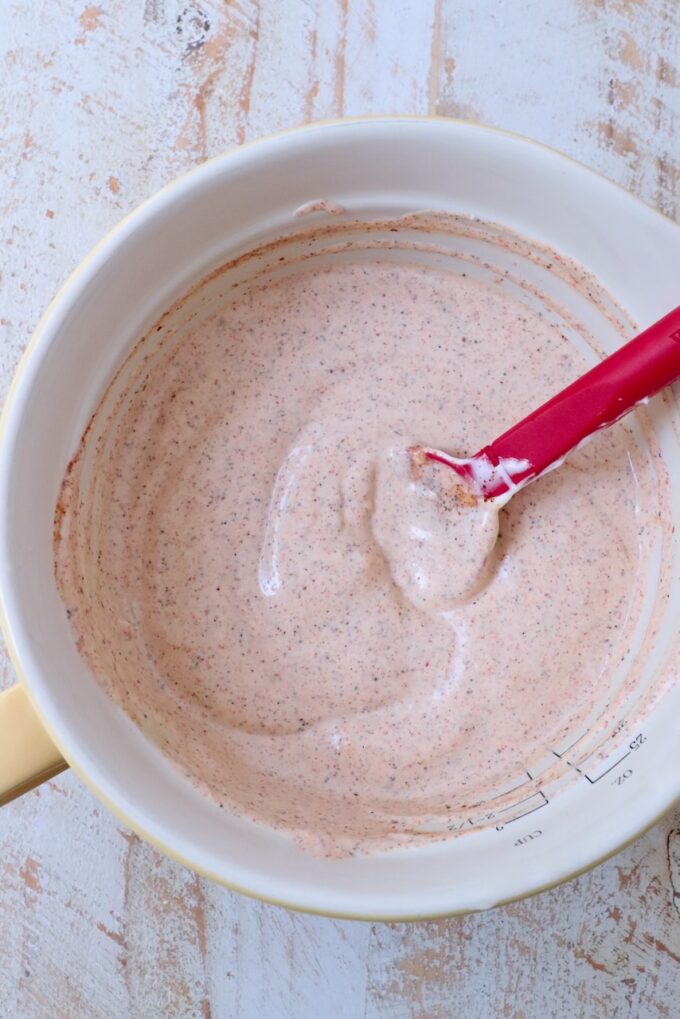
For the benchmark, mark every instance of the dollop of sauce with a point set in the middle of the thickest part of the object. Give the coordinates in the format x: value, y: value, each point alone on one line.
x: 323, y: 632
x: 437, y: 535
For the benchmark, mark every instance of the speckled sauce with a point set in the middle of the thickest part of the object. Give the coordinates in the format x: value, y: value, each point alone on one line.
x: 238, y: 560
x: 438, y: 537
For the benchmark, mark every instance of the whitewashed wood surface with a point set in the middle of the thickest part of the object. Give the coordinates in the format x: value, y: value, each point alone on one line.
x: 100, y: 106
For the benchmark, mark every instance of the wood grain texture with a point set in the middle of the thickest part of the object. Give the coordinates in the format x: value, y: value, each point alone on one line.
x: 101, y: 105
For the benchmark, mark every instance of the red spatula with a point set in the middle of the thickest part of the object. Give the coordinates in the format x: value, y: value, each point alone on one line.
x: 599, y: 398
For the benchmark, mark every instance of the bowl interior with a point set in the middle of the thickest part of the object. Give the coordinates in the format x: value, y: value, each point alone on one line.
x: 227, y: 207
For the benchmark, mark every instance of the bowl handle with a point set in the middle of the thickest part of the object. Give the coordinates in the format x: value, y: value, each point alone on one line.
x: 27, y: 754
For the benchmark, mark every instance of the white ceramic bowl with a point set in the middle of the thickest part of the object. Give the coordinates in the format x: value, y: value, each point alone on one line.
x: 222, y: 208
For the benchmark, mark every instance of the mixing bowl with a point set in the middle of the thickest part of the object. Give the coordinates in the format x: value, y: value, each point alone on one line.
x: 607, y: 786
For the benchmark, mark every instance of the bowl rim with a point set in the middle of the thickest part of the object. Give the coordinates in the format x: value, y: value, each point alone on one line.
x: 42, y: 337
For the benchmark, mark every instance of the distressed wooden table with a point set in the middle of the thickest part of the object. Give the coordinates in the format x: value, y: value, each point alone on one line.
x: 100, y: 106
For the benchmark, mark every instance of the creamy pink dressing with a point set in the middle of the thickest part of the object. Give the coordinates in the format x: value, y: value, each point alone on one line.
x: 438, y: 538
x: 321, y: 637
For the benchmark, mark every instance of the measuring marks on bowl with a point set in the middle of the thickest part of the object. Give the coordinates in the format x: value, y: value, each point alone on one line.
x: 591, y: 768
x: 598, y: 770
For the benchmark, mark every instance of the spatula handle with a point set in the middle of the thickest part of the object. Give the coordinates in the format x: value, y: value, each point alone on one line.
x: 626, y: 378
